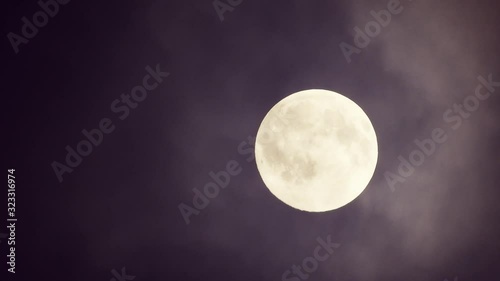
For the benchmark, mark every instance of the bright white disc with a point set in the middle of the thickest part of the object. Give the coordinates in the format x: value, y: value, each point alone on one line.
x: 316, y: 150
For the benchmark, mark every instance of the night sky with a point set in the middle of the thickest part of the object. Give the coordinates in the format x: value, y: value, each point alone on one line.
x: 212, y: 78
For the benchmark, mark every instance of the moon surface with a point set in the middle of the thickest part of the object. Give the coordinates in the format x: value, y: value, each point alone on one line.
x: 316, y: 150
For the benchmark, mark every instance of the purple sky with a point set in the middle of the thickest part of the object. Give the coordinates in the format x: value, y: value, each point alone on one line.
x: 119, y: 207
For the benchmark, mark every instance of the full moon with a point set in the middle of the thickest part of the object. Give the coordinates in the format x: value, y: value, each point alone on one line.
x: 316, y: 150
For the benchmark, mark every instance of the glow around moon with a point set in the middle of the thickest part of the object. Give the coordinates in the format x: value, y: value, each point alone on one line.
x: 316, y: 150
